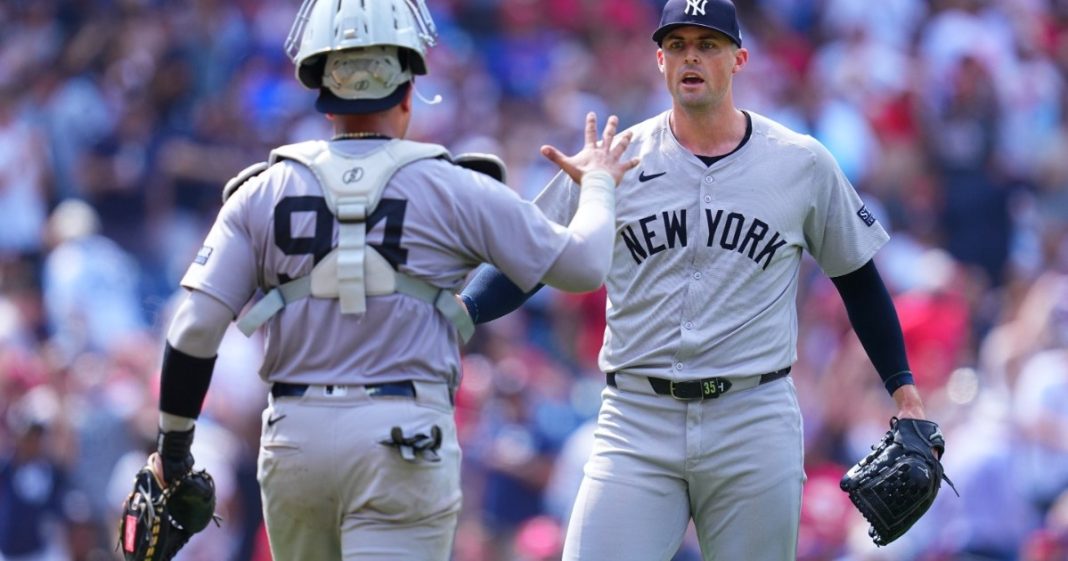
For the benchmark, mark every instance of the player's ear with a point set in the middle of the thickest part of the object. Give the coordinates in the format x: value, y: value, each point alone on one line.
x: 741, y: 57
x: 660, y: 60
x: 406, y: 101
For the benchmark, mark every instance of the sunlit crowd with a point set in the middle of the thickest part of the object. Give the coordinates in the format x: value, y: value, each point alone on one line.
x: 120, y: 121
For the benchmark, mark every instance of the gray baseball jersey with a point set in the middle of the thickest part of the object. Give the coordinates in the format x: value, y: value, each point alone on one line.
x: 706, y: 258
x: 436, y: 221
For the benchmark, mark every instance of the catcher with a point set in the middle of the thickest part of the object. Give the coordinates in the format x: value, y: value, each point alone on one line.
x: 357, y: 244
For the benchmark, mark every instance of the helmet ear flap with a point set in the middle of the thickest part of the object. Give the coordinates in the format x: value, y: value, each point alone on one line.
x: 410, y: 60
x: 310, y: 71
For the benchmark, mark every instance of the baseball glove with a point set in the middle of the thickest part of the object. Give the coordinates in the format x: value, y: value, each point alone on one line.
x: 159, y: 519
x: 899, y: 480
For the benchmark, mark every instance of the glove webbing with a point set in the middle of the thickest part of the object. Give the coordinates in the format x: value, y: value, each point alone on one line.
x: 889, y: 439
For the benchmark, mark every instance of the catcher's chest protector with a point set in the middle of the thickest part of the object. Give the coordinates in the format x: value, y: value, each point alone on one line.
x: 352, y: 186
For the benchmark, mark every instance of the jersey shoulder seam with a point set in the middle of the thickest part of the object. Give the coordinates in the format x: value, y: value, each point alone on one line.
x: 774, y: 131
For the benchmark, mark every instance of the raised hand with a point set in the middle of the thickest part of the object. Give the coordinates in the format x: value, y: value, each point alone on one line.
x: 601, y: 154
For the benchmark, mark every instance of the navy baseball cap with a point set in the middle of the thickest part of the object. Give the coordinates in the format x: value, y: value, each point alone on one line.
x: 363, y: 80
x: 719, y: 15
x: 330, y: 103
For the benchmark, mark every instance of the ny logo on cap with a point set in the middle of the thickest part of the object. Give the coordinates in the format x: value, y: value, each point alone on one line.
x: 698, y: 7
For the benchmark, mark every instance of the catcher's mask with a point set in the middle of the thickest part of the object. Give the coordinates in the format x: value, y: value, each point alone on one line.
x: 360, y: 55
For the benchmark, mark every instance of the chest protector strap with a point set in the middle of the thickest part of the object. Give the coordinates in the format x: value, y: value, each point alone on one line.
x: 353, y: 186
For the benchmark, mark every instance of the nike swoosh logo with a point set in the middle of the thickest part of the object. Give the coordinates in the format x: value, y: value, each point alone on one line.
x: 643, y: 178
x: 272, y: 420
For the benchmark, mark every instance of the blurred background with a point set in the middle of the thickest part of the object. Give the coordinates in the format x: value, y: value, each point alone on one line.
x: 120, y: 120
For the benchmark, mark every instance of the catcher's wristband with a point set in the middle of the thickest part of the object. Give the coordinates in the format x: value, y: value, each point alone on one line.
x: 175, y: 453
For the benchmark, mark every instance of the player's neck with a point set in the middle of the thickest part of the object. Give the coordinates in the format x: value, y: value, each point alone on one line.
x: 378, y: 125
x: 708, y: 133
x: 365, y: 132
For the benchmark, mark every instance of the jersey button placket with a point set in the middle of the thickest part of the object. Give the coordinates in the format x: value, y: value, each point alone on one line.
x: 708, y: 181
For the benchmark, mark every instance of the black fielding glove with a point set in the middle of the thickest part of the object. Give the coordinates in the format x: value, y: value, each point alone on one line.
x: 898, y: 481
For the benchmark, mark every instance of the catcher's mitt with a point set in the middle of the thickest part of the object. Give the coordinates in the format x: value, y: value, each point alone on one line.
x: 159, y: 519
x: 897, y: 482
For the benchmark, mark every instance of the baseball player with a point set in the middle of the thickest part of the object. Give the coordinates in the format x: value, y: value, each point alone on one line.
x: 699, y: 419
x: 358, y: 244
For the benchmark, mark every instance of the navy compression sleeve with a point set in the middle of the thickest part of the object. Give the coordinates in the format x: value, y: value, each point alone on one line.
x: 491, y: 295
x: 184, y: 382
x: 874, y: 319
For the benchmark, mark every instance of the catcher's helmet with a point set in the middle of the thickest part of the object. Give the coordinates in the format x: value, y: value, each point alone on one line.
x: 360, y: 51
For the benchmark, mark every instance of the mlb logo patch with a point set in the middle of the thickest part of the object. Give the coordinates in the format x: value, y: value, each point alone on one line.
x: 202, y: 255
x: 866, y: 216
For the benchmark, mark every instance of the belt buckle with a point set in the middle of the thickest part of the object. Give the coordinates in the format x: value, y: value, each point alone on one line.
x: 335, y: 391
x: 673, y: 385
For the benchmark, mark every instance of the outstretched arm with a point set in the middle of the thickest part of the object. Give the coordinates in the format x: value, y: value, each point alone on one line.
x: 587, y: 257
x: 873, y: 316
x: 583, y: 264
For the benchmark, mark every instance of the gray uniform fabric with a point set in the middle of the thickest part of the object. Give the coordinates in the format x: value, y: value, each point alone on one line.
x: 332, y: 492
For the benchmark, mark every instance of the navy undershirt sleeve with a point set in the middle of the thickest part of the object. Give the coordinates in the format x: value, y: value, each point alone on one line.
x: 491, y: 295
x: 874, y: 319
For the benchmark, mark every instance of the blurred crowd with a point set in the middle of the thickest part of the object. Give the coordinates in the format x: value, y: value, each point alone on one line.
x: 120, y: 120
